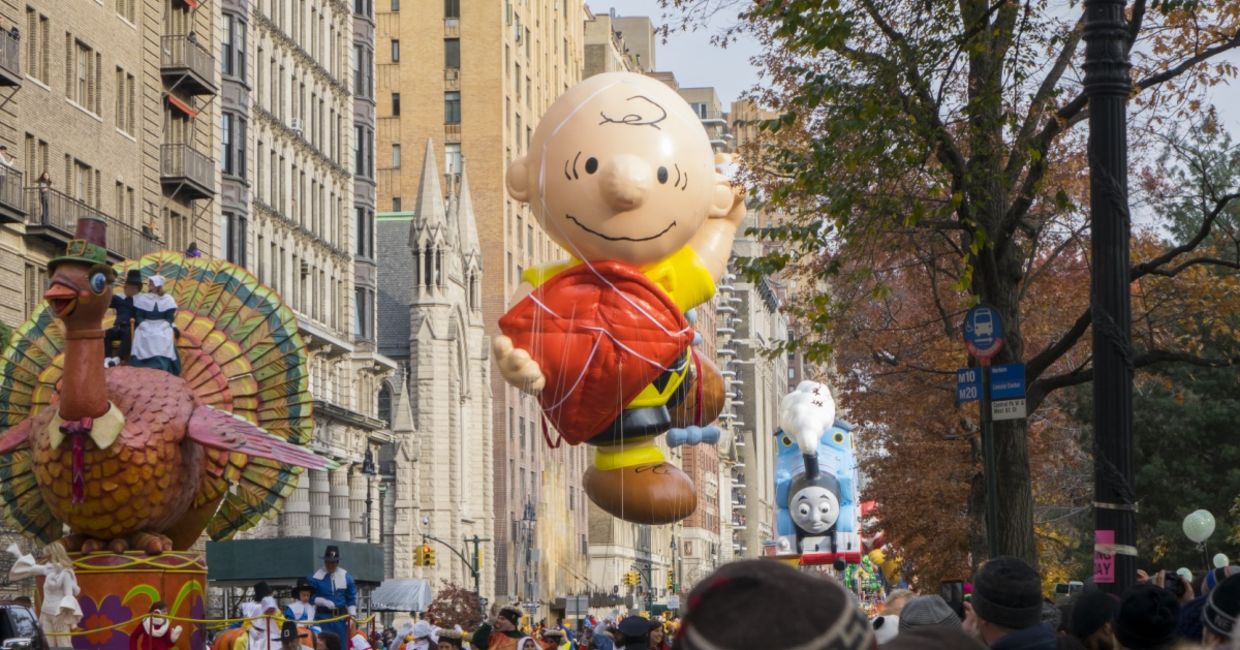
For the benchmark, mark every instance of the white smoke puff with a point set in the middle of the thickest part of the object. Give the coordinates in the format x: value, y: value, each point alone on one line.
x: 806, y: 414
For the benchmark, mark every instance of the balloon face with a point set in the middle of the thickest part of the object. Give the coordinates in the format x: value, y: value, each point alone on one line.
x: 814, y: 509
x: 619, y: 168
x: 1199, y: 525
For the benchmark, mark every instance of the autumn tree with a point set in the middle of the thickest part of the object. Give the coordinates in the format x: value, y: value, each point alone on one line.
x: 930, y: 155
x: 455, y: 605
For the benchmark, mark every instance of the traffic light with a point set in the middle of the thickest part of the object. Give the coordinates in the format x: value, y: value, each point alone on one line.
x: 419, y: 556
x: 429, y: 552
x: 671, y: 579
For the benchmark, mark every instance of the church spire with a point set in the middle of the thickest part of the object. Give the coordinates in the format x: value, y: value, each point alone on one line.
x: 466, y: 221
x: 402, y: 417
x: 431, y: 217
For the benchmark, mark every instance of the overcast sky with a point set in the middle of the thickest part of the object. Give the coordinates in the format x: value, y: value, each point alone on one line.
x: 698, y: 63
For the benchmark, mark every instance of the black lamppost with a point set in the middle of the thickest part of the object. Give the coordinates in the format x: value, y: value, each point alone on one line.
x: 1107, y: 85
x: 368, y: 468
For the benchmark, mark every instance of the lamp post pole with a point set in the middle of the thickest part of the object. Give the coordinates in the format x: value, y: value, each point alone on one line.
x: 1107, y: 85
x: 368, y: 468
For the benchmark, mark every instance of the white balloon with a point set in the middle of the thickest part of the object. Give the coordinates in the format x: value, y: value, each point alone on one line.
x: 1199, y: 525
x: 1220, y: 561
x: 1183, y: 572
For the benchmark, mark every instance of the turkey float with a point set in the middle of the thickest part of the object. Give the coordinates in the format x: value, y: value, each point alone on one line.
x: 137, y: 458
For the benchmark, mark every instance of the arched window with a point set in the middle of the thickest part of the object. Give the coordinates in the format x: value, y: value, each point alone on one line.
x: 385, y: 404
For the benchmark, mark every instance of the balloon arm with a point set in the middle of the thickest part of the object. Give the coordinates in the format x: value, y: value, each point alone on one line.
x: 713, y: 244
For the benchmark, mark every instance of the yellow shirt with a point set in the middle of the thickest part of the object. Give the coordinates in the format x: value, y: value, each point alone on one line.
x: 682, y: 276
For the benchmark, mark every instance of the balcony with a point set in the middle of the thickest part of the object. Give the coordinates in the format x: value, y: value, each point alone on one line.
x: 10, y: 59
x: 12, y: 203
x: 187, y: 66
x: 451, y: 27
x: 53, y: 215
x: 185, y: 173
x: 452, y: 133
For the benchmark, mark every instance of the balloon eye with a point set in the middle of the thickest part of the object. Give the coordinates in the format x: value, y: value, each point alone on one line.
x: 663, y: 175
x: 825, y: 508
x: 591, y: 165
x: 98, y: 282
x: 839, y: 437
x: 804, y: 510
x: 787, y: 442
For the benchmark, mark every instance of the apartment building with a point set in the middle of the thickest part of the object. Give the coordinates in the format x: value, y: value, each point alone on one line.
x: 115, y: 103
x: 474, y: 78
x: 297, y: 209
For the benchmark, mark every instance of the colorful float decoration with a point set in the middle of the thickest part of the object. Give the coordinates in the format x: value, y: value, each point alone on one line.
x: 136, y: 462
x: 817, y: 520
x: 621, y: 174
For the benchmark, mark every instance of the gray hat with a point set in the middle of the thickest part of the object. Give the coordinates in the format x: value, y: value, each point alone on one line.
x: 927, y: 610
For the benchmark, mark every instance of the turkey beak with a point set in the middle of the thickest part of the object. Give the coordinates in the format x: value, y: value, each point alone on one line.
x: 62, y: 297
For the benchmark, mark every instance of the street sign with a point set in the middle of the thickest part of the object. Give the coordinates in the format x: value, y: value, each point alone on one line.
x: 1007, y: 381
x: 983, y: 332
x: 1008, y: 409
x: 968, y: 385
x: 576, y: 605
x: 673, y: 602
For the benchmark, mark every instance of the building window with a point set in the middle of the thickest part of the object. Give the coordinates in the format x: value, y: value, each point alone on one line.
x: 177, y: 227
x: 451, y: 8
x: 232, y: 61
x: 363, y: 232
x: 81, y: 80
x: 124, y: 101
x: 452, y: 53
x: 395, y: 5
x: 395, y: 50
x: 361, y: 313
x: 232, y: 139
x: 452, y: 108
x: 362, y: 76
x: 396, y: 104
x: 363, y: 152
x: 38, y: 53
x: 125, y: 9
x: 395, y: 204
x: 235, y: 238
x: 362, y: 7
x: 699, y: 108
x: 36, y: 283
x: 452, y: 158
x: 385, y: 404
x: 395, y: 156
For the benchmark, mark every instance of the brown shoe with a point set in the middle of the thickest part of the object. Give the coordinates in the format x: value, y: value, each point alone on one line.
x: 686, y: 413
x: 642, y: 494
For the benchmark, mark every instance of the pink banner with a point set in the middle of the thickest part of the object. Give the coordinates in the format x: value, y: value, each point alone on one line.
x: 1104, y: 563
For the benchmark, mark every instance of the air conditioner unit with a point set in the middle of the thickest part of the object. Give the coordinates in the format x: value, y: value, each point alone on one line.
x: 295, y: 125
x: 451, y: 74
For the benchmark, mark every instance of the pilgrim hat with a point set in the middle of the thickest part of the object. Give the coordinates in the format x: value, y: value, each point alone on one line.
x: 288, y: 631
x: 332, y: 554
x: 133, y: 276
x: 302, y: 585
x: 89, y: 244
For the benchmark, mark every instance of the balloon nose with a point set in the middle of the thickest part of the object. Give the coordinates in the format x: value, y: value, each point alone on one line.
x: 626, y: 179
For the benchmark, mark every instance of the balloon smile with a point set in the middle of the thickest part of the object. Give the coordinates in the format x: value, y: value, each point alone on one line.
x: 613, y: 238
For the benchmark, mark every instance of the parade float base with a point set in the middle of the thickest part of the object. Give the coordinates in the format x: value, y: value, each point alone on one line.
x: 122, y: 587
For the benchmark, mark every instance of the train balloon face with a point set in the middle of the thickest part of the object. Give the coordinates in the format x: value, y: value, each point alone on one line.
x: 818, y: 516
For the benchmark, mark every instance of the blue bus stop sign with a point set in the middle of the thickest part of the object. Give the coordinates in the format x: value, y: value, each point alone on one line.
x: 983, y: 333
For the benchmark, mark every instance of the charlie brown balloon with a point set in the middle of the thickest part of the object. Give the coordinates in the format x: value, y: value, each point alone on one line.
x: 621, y: 174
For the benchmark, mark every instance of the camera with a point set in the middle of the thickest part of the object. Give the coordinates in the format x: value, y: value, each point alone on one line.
x: 1174, y: 583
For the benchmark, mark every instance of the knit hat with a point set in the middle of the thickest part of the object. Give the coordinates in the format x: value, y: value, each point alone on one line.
x: 1222, y: 607
x: 927, y: 610
x: 796, y: 610
x: 1008, y: 592
x: 885, y: 628
x: 422, y: 630
x: 1091, y: 611
x: 934, y: 637
x: 1147, y: 618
